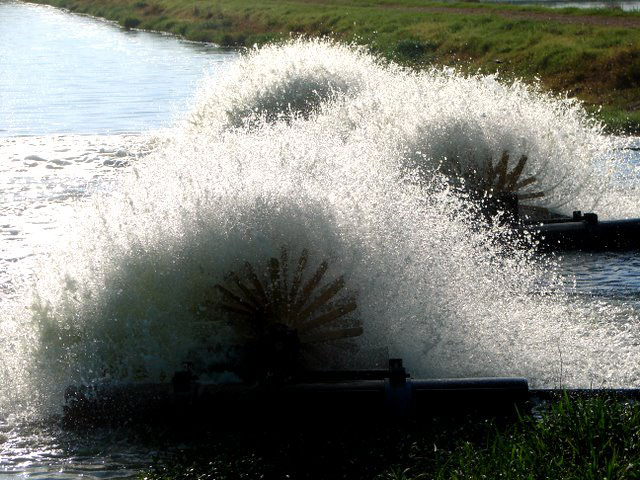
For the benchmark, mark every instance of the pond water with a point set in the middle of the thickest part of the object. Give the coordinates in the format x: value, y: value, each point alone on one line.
x: 118, y: 216
x: 70, y: 87
x: 78, y: 96
x: 627, y: 6
x: 85, y: 76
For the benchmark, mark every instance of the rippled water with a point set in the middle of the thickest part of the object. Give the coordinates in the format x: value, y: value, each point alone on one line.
x: 627, y: 6
x: 42, y: 178
x: 72, y: 74
x: 44, y: 451
x: 607, y: 274
x: 70, y: 87
x: 66, y: 81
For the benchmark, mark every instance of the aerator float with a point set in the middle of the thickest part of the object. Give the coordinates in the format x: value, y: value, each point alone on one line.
x: 579, y: 232
x: 312, y: 398
x: 584, y: 232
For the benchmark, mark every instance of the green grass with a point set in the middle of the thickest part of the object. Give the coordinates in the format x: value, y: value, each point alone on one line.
x: 599, y: 64
x: 576, y: 439
x: 572, y: 438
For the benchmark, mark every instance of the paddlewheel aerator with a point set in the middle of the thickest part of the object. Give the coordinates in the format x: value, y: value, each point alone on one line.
x: 287, y: 313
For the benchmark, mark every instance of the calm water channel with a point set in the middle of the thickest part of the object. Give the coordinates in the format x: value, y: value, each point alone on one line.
x: 71, y: 74
x: 627, y: 6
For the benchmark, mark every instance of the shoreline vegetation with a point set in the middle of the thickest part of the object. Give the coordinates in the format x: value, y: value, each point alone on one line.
x: 566, y: 439
x: 591, y: 55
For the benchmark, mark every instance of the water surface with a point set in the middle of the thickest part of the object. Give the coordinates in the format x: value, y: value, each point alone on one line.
x: 81, y: 101
x: 627, y: 6
x: 62, y: 73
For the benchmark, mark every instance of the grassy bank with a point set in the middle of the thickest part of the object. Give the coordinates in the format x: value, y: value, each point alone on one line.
x: 591, y: 55
x: 577, y: 439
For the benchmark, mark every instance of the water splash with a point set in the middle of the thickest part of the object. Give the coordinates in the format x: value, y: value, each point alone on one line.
x: 318, y: 146
x: 307, y: 75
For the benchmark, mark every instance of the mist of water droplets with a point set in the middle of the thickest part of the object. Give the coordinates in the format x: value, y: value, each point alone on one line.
x: 319, y: 146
